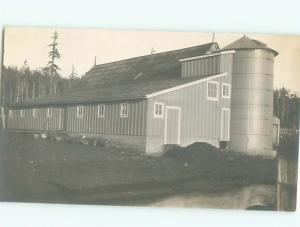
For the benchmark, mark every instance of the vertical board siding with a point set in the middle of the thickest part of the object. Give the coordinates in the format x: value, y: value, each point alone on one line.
x: 112, y: 123
x: 203, y: 66
x: 200, y: 118
x: 38, y: 123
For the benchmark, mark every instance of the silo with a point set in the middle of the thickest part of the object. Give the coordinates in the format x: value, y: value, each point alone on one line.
x: 252, y: 97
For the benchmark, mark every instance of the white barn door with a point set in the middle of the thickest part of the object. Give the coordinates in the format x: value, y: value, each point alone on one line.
x: 172, y: 125
x: 225, y: 124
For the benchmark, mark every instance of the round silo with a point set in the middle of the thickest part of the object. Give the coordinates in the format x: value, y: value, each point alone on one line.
x: 252, y: 97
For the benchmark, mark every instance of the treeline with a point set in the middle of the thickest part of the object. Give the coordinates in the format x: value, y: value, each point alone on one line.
x: 22, y: 84
x: 286, y: 108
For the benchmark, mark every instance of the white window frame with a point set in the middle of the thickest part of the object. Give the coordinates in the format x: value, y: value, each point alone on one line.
x: 101, y: 115
x: 21, y: 113
x: 49, y: 112
x: 212, y: 98
x: 155, y: 115
x: 122, y: 108
x: 78, y: 110
x: 229, y: 90
x: 34, y: 112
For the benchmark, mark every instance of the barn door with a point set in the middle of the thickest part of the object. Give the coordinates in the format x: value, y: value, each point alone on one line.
x: 172, y: 125
x: 225, y: 124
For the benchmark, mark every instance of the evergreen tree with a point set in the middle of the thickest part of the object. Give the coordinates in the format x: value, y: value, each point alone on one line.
x: 286, y: 108
x: 52, y: 68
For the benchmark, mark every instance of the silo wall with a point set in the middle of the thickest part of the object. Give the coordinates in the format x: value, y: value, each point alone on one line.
x: 252, y: 102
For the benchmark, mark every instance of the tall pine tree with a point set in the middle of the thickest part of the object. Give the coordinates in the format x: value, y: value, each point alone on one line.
x: 52, y: 68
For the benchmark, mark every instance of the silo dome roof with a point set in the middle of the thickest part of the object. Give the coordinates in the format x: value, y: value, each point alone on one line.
x: 247, y: 43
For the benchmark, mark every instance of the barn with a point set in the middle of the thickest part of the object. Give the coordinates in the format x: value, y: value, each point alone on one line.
x: 175, y: 97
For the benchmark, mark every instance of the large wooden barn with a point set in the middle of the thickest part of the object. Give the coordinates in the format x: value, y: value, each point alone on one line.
x: 174, y: 97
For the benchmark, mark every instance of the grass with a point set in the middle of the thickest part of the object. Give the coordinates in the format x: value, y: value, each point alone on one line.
x: 37, y: 170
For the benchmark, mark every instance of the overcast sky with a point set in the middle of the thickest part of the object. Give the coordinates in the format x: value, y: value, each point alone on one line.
x: 80, y: 46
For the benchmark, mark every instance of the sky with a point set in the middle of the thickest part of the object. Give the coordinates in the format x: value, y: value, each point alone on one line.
x: 79, y: 47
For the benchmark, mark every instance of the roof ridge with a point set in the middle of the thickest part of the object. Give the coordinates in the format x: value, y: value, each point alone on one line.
x: 148, y: 55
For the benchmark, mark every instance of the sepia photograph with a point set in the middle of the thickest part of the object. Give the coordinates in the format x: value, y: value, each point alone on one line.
x: 149, y: 118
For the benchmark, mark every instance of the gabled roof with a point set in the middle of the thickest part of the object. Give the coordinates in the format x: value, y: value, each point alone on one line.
x: 247, y: 43
x: 159, y: 66
x: 128, y: 79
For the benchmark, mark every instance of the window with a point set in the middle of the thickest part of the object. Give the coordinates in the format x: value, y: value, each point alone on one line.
x: 124, y: 110
x: 158, y: 110
x: 10, y: 113
x: 101, y: 111
x: 212, y: 90
x: 225, y: 90
x: 79, y: 111
x: 49, y: 112
x: 34, y: 112
x: 22, y: 113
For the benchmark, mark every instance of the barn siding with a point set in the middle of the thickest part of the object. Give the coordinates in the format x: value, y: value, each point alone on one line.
x: 202, y: 67
x: 112, y: 123
x: 65, y: 119
x: 39, y: 123
x: 200, y: 118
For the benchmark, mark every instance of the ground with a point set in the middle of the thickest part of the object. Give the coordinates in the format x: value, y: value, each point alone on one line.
x: 41, y: 170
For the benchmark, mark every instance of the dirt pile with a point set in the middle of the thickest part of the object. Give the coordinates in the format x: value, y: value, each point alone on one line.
x: 219, y: 164
x: 203, y: 152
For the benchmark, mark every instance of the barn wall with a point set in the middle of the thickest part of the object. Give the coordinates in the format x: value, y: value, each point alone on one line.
x: 65, y: 118
x: 201, y: 67
x: 127, y: 132
x: 210, y: 65
x: 200, y: 118
x: 112, y: 123
x: 39, y: 123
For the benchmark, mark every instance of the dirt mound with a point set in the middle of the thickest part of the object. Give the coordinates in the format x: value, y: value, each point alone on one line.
x: 220, y: 164
x: 197, y: 151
